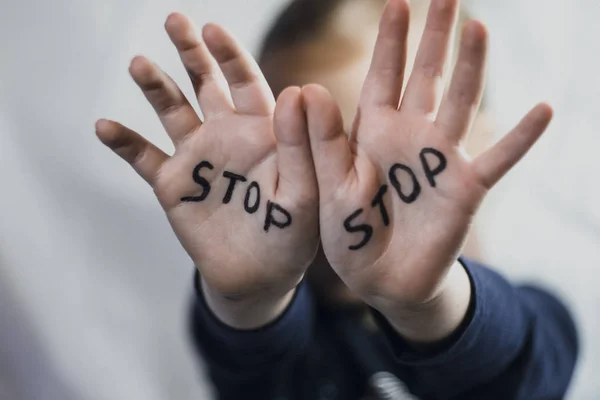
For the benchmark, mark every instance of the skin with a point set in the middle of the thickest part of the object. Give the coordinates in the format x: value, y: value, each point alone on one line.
x: 242, y: 267
x: 338, y: 58
x: 303, y: 159
x: 410, y: 270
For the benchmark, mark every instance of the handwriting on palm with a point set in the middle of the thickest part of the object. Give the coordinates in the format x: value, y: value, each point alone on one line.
x: 398, y: 195
x: 240, y: 191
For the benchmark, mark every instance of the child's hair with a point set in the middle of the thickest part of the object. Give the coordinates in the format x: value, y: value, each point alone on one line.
x: 306, y: 21
x: 322, y: 35
x: 300, y: 21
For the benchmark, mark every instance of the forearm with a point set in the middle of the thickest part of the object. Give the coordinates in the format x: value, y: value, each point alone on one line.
x: 517, y: 343
x: 246, y: 313
x: 426, y: 324
x: 242, y: 360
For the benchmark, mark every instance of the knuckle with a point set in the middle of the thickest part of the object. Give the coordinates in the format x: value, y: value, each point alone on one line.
x: 430, y: 70
x: 170, y: 108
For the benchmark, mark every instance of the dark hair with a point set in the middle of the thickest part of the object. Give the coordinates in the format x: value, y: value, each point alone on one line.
x: 299, y: 21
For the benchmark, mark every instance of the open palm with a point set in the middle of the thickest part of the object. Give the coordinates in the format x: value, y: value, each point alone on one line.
x: 398, y: 194
x: 240, y: 190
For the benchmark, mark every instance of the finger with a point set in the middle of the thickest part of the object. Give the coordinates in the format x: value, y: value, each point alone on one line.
x: 294, y: 159
x: 383, y: 84
x: 175, y: 112
x: 249, y: 89
x: 331, y: 152
x: 497, y: 161
x: 208, y: 82
x: 426, y: 81
x: 145, y: 158
x: 464, y: 96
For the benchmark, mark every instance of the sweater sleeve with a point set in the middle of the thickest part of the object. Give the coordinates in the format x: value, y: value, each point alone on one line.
x: 516, y: 343
x: 252, y: 363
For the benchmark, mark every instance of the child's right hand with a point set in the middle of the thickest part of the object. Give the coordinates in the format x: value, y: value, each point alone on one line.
x: 240, y: 191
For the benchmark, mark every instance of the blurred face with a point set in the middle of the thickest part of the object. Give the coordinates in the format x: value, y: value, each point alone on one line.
x: 339, y: 60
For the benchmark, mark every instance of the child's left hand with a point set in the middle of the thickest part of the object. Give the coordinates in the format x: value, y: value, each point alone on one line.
x: 398, y: 195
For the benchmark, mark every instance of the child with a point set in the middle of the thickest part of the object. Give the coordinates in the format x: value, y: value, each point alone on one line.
x: 317, y: 41
x: 254, y: 190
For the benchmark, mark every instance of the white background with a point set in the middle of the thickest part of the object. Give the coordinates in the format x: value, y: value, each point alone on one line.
x: 93, y: 284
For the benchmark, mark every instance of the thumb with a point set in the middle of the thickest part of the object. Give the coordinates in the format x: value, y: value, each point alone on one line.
x: 294, y: 159
x: 330, y: 147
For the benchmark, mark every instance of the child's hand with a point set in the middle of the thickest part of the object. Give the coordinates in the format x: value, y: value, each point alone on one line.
x: 240, y: 191
x: 398, y: 196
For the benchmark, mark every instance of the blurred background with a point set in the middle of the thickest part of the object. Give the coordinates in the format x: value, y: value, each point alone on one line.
x: 94, y: 286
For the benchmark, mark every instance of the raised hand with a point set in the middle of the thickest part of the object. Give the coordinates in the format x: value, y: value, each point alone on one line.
x: 398, y: 194
x: 240, y: 191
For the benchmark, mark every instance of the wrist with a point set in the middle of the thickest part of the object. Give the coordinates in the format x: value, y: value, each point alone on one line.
x: 440, y: 317
x: 246, y: 313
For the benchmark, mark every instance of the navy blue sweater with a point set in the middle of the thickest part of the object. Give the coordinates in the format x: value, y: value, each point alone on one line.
x: 515, y: 343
